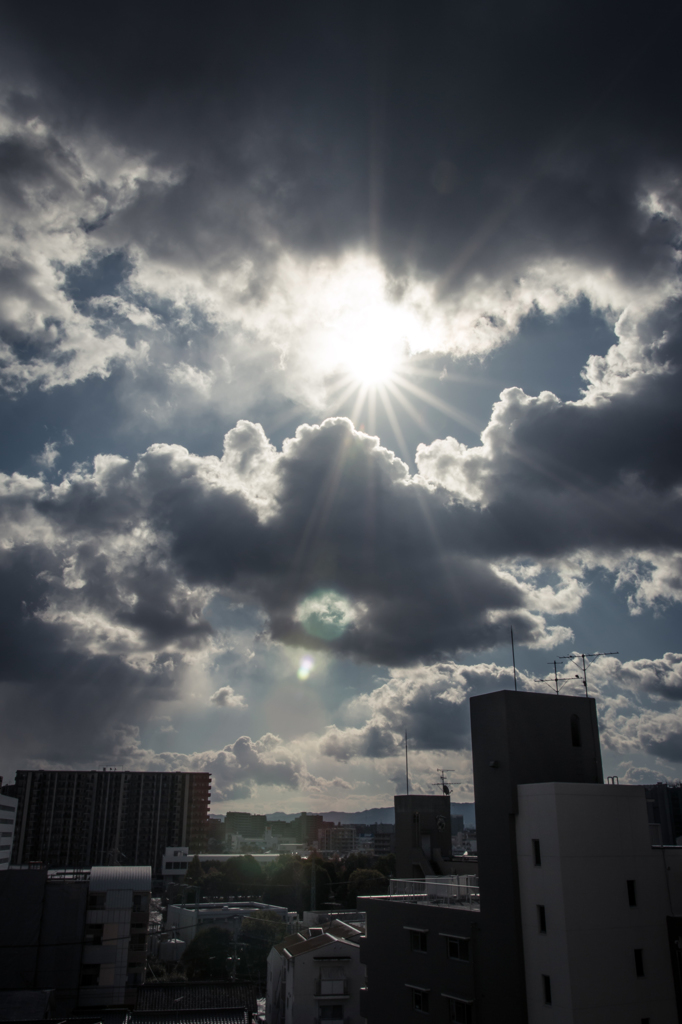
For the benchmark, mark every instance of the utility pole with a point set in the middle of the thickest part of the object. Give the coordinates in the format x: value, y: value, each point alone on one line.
x: 313, y: 884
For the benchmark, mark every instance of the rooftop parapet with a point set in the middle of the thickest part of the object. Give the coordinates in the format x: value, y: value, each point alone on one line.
x: 458, y: 891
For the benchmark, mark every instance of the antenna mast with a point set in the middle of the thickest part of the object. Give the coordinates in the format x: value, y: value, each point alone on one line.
x: 407, y: 773
x: 513, y: 659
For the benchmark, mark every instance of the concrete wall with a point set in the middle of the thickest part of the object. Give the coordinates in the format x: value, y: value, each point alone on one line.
x: 423, y: 837
x: 593, y: 838
x: 8, y: 820
x: 393, y: 965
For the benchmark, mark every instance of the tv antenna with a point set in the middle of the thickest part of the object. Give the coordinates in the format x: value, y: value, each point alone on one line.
x: 442, y: 772
x: 558, y: 679
x: 585, y: 659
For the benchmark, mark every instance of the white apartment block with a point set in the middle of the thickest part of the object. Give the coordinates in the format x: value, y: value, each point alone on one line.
x: 594, y: 897
x: 316, y: 976
x: 116, y: 926
x: 8, y: 818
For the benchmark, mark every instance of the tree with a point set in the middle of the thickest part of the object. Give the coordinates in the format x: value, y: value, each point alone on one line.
x: 195, y: 871
x: 205, y: 959
x: 366, y: 882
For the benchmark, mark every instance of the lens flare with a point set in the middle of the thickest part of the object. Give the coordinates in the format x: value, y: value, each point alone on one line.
x: 305, y: 668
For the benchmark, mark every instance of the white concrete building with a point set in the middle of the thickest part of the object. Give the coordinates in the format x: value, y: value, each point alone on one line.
x: 8, y: 818
x: 315, y: 975
x: 594, y: 897
x: 116, y: 926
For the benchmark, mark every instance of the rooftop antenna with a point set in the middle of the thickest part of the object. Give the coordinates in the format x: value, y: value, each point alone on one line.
x: 513, y: 659
x: 585, y: 661
x: 557, y: 679
x: 407, y: 773
x: 442, y: 772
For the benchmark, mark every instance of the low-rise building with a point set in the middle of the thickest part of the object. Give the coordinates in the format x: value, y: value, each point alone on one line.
x: 82, y: 934
x: 115, y: 941
x: 315, y: 975
x: 184, y: 921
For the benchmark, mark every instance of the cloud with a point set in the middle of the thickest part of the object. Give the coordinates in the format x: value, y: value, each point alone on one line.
x: 225, y: 697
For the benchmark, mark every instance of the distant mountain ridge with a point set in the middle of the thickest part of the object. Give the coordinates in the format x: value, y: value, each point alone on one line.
x: 379, y: 815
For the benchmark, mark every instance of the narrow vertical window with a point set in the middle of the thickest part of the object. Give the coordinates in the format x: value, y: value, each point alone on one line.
x: 632, y: 892
x: 536, y: 853
x: 575, y: 731
x: 547, y: 989
x: 639, y: 963
x: 542, y: 919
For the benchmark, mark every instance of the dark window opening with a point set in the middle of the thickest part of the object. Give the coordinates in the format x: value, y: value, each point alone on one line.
x: 547, y: 989
x: 542, y: 918
x: 460, y: 1012
x: 639, y: 963
x: 90, y: 975
x: 458, y: 949
x: 420, y: 1000
x: 536, y: 853
x: 331, y: 1013
x: 418, y: 942
x: 576, y: 739
x: 632, y: 892
x: 96, y: 900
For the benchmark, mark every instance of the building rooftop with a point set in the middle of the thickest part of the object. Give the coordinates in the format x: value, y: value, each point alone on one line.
x: 194, y: 996
x: 438, y: 891
x: 104, y: 879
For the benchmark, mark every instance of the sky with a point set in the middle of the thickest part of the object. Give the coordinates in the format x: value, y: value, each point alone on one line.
x: 336, y: 343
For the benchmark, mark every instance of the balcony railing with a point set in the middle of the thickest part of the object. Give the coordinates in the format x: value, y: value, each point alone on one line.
x: 449, y: 892
x: 336, y: 987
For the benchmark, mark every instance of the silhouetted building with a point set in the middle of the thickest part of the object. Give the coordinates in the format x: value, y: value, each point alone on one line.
x: 305, y: 828
x: 664, y: 807
x: 423, y: 840
x: 250, y: 826
x: 82, y: 934
x: 79, y: 819
x: 577, y: 918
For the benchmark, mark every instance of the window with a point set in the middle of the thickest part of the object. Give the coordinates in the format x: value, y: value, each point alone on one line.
x: 542, y: 919
x: 575, y: 731
x: 93, y: 934
x: 536, y: 853
x: 460, y: 1011
x: 639, y: 963
x: 632, y: 892
x: 96, y: 900
x: 331, y: 1013
x: 458, y: 949
x: 90, y: 975
x: 420, y: 1000
x: 418, y: 942
x: 547, y: 989
x: 332, y: 981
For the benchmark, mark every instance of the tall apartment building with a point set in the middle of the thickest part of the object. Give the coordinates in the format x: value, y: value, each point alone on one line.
x: 341, y: 839
x: 578, y: 915
x: 79, y: 819
x: 241, y: 823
